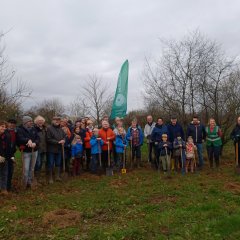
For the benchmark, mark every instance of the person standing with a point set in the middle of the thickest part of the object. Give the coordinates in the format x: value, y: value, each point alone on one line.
x: 28, y: 140
x: 197, y: 131
x: 12, y: 130
x: 147, y: 134
x: 213, y: 142
x: 235, y: 136
x: 5, y: 156
x: 55, y: 146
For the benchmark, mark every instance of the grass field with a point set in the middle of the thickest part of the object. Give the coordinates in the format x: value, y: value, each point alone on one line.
x: 143, y: 204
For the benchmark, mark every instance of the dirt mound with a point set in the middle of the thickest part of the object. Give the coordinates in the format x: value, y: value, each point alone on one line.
x: 161, y: 199
x: 61, y: 218
x: 117, y: 183
x: 233, y: 187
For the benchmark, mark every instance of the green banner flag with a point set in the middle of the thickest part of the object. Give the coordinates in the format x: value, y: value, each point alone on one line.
x: 119, y: 107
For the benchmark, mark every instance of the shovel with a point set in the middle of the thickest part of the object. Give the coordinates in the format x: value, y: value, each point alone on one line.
x: 183, y: 169
x: 124, y: 170
x: 99, y: 156
x: 237, y: 165
x: 109, y: 170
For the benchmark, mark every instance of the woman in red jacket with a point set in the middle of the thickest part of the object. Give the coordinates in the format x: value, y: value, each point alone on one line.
x: 87, y: 144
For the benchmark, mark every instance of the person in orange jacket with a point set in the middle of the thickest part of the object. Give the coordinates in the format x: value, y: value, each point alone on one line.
x: 87, y: 144
x: 108, y: 136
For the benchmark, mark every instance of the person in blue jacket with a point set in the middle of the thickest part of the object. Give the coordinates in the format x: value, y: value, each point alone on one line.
x: 156, y: 137
x: 197, y: 131
x: 135, y: 138
x: 77, y: 152
x: 120, y: 144
x: 96, y: 149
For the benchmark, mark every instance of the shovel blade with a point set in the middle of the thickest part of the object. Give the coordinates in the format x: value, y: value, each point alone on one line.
x: 109, y: 172
x: 124, y: 170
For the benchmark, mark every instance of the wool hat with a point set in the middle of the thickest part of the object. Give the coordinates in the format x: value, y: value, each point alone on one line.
x: 26, y: 119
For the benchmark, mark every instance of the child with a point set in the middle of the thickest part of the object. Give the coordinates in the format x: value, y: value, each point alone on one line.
x: 135, y: 137
x: 178, y: 152
x: 120, y: 147
x: 96, y: 150
x: 165, y: 149
x: 190, y: 154
x: 77, y: 150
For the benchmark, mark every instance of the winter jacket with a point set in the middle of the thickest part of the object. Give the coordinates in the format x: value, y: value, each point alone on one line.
x: 235, y: 134
x: 174, y: 131
x: 162, y: 149
x: 42, y: 133
x: 13, y: 136
x: 54, y: 135
x: 5, y: 145
x: 157, y: 132
x: 120, y: 143
x: 24, y: 135
x: 130, y: 134
x: 95, y: 148
x: 87, y: 139
x: 148, y: 131
x: 104, y: 134
x: 197, y: 132
x: 77, y: 150
x: 176, y: 147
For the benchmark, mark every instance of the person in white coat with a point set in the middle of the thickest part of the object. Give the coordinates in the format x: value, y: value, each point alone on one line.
x: 147, y: 133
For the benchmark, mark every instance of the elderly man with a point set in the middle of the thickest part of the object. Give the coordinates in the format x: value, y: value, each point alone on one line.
x: 147, y: 133
x: 55, y: 141
x: 28, y: 140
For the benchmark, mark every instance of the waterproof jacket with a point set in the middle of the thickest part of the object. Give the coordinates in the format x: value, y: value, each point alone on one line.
x: 130, y: 134
x: 235, y: 134
x: 24, y: 135
x: 77, y: 150
x: 162, y: 149
x: 42, y: 133
x: 197, y: 132
x: 96, y: 146
x: 120, y: 143
x: 104, y: 134
x: 157, y: 132
x: 148, y: 131
x: 54, y: 135
x: 174, y: 131
x: 5, y: 145
x: 87, y: 139
x: 176, y: 147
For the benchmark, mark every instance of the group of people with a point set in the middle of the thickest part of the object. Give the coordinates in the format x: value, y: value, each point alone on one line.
x: 66, y: 147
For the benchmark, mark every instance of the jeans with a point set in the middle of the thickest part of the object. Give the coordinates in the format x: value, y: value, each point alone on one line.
x: 105, y: 158
x: 10, y: 174
x: 54, y: 159
x: 200, y: 154
x: 3, y: 175
x: 41, y: 158
x: 29, y: 161
x: 213, y: 151
x: 94, y: 163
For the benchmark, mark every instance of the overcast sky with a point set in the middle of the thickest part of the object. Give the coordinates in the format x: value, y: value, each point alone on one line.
x: 55, y: 44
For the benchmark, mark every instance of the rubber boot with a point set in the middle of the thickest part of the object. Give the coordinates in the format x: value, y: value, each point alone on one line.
x: 58, y: 175
x: 50, y: 177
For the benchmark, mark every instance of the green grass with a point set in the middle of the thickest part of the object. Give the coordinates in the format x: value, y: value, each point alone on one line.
x: 143, y: 204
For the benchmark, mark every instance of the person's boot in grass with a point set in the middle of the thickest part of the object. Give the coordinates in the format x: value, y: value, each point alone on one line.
x: 58, y: 174
x: 50, y: 177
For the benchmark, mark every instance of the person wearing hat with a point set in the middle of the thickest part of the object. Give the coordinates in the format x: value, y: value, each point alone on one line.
x: 55, y: 144
x: 12, y: 131
x: 28, y: 142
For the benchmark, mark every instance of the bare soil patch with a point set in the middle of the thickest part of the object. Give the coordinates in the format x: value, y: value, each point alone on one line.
x: 233, y: 187
x: 160, y: 199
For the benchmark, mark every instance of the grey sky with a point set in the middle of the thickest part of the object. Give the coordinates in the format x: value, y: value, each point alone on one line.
x: 55, y: 44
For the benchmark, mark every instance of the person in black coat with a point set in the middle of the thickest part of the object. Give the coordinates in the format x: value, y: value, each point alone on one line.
x: 235, y: 136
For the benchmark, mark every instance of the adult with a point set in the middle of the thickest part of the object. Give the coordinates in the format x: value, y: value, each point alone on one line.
x: 235, y: 136
x: 147, y: 134
x: 55, y: 145
x: 156, y: 137
x: 87, y: 145
x: 174, y: 130
x: 5, y: 155
x: 213, y: 142
x: 28, y: 141
x: 41, y: 129
x: 135, y: 137
x: 12, y: 130
x: 108, y: 136
x: 197, y: 131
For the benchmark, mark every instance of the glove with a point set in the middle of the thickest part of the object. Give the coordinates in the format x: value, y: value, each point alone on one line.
x: 2, y: 159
